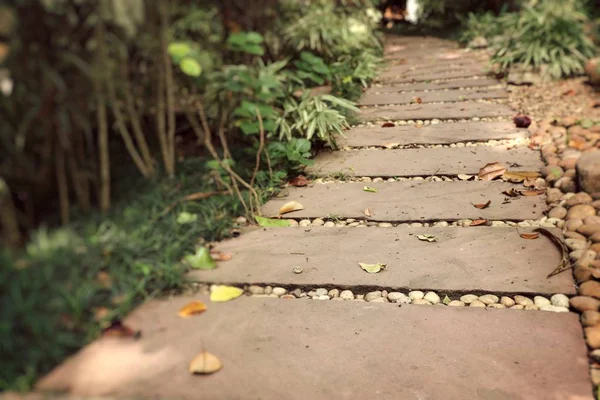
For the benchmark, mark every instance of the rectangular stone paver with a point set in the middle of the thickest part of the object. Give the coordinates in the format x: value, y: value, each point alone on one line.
x: 473, y: 259
x: 321, y: 350
x: 423, y: 162
x: 396, y: 77
x: 372, y: 98
x: 430, y: 111
x: 451, y: 84
x: 409, y: 201
x: 363, y: 136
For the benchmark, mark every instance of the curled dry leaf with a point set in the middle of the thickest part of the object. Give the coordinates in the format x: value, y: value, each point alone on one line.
x: 522, y: 121
x: 564, y: 264
x: 388, y: 125
x: 119, y: 329
x: 464, y: 177
x: 205, y: 363
x: 570, y: 92
x: 299, y: 181
x: 372, y: 268
x: 218, y: 256
x: 483, y: 205
x: 533, y: 183
x: 192, y: 308
x: 532, y: 192
x: 491, y: 171
x: 529, y: 235
x: 368, y: 212
x: 370, y: 189
x: 512, y: 192
x: 417, y: 100
x: 519, y: 176
x: 427, y: 238
x: 290, y: 206
x: 477, y: 222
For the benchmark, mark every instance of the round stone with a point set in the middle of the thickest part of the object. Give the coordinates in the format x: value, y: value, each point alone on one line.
x: 373, y: 295
x: 553, y: 195
x: 592, y: 336
x: 416, y: 295
x: 333, y: 293
x: 488, y: 299
x: 588, y: 230
x: 477, y: 303
x: 268, y: 290
x: 590, y: 288
x: 590, y: 318
x: 507, y: 301
x: 552, y: 308
x: 558, y: 212
x: 576, y: 244
x: 496, y: 305
x: 584, y: 303
x: 522, y: 300
x: 304, y: 222
x: 318, y: 222
x: 432, y: 297
x: 379, y: 300
x: 254, y: 289
x: 421, y: 301
x: 329, y: 224
x: 579, y: 198
x: 395, y: 296
x: 573, y: 224
x: 456, y: 303
x: 517, y: 307
x: 530, y: 307
x: 468, y: 298
x: 321, y: 292
x: 581, y: 211
x: 385, y: 225
x: 292, y: 222
x: 347, y: 295
x: 540, y: 301
x: 321, y: 297
x: 560, y: 300
x: 279, y: 291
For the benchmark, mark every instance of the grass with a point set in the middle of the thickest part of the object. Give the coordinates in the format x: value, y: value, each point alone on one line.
x: 54, y: 292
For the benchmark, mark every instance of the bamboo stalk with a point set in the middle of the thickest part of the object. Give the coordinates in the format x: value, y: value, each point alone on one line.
x: 101, y: 121
x: 136, y: 127
x: 63, y: 185
x: 8, y: 216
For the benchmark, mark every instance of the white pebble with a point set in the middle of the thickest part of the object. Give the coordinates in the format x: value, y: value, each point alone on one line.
x: 432, y: 297
x: 560, y: 300
x: 416, y: 295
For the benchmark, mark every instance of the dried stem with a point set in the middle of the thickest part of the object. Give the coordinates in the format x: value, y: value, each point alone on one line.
x: 261, y: 145
x: 63, y: 185
x: 8, y: 216
x: 136, y: 126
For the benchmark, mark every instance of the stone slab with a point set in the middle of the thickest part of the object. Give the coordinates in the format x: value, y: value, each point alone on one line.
x: 442, y: 85
x: 320, y: 350
x: 392, y: 76
x: 424, y: 65
x: 465, y: 260
x: 370, y: 98
x: 423, y: 162
x: 439, y: 111
x: 409, y: 201
x: 363, y: 136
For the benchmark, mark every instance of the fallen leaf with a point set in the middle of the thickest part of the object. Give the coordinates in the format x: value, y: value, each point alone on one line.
x: 270, y: 222
x: 290, y: 207
x: 416, y: 100
x: 202, y: 195
x: 200, y: 260
x: 570, y: 92
x: 388, y: 125
x: 529, y: 235
x: 519, y: 176
x: 446, y: 300
x: 491, y: 171
x: 205, y: 363
x: 578, y: 144
x: 512, y: 192
x: 586, y: 123
x: 427, y: 238
x: 221, y: 293
x: 192, y: 308
x: 185, y: 217
x: 368, y: 212
x: 522, y: 121
x: 533, y: 183
x: 299, y: 181
x: 370, y: 189
x: 531, y: 192
x: 478, y: 222
x: 372, y: 268
x: 464, y: 177
x: 564, y: 264
x: 481, y: 206
x: 391, y: 145
x: 118, y: 329
x: 218, y: 256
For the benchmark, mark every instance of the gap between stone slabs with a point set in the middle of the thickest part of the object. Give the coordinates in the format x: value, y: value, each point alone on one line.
x: 434, y: 111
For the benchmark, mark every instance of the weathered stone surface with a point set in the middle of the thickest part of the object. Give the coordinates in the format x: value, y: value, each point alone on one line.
x: 588, y: 171
x: 430, y: 111
x: 277, y: 339
x: 371, y: 98
x: 422, y: 162
x: 401, y: 75
x: 452, y: 84
x: 490, y: 259
x: 410, y: 201
x: 431, y: 134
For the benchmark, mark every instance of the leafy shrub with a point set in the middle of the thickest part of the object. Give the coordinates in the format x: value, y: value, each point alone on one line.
x: 484, y: 25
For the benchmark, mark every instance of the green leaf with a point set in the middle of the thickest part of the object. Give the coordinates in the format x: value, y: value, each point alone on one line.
x: 178, y: 50
x: 271, y: 222
x: 586, y: 123
x: 370, y: 189
x: 200, y: 260
x: 190, y: 67
x: 446, y: 300
x: 372, y: 268
x: 186, y: 218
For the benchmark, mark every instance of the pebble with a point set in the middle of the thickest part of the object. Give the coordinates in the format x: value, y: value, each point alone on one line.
x: 584, y: 303
x: 421, y: 301
x: 553, y: 195
x: 254, y: 289
x: 576, y: 244
x: 385, y: 225
x: 477, y: 303
x: 530, y: 307
x: 488, y: 299
x: 468, y: 298
x: 573, y: 224
x: 320, y: 292
x: 590, y: 288
x: 581, y: 211
x: 579, y: 198
x: 279, y: 291
x: 321, y: 297
x: 347, y: 295
x: 318, y: 222
x: 507, y: 301
x: 432, y: 297
x: 558, y: 212
x: 496, y: 305
x: 523, y: 301
x: 373, y: 295
x: 329, y: 224
x: 588, y: 229
x: 416, y: 295
x: 299, y: 293
x: 456, y: 303
x: 552, y: 308
x: 333, y: 293
x: 590, y: 318
x: 559, y: 300
x: 304, y: 222
x: 268, y: 290
x: 517, y: 307
x: 288, y: 296
x: 592, y: 336
x: 540, y: 301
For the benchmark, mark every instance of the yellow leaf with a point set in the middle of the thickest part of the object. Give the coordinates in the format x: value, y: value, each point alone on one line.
x: 192, y: 308
x: 519, y: 176
x: 290, y: 207
x: 205, y: 363
x: 220, y: 293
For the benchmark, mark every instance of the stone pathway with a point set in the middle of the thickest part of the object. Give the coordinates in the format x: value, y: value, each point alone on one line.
x: 379, y: 343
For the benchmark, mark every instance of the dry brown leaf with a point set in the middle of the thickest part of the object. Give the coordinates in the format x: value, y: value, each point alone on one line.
x: 564, y: 264
x: 533, y: 183
x: 491, y: 171
x: 519, y: 176
x: 578, y: 144
x: 290, y: 206
x: 570, y: 92
x: 477, y: 222
x: 481, y: 206
x: 205, y: 363
x: 202, y: 195
x: 512, y: 192
x: 529, y: 235
x: 417, y: 100
x: 118, y: 329
x: 368, y: 212
x: 218, y: 256
x: 531, y: 192
x: 192, y: 308
x: 299, y: 181
x: 388, y: 125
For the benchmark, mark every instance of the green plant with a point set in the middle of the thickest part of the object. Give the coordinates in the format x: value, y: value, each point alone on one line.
x: 486, y: 24
x: 248, y: 42
x: 313, y: 68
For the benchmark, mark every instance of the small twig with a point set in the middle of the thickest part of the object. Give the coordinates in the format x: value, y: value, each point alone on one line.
x: 190, y: 197
x: 565, y: 264
x: 261, y: 145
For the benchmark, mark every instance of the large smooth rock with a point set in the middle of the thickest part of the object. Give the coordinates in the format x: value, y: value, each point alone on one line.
x: 588, y: 171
